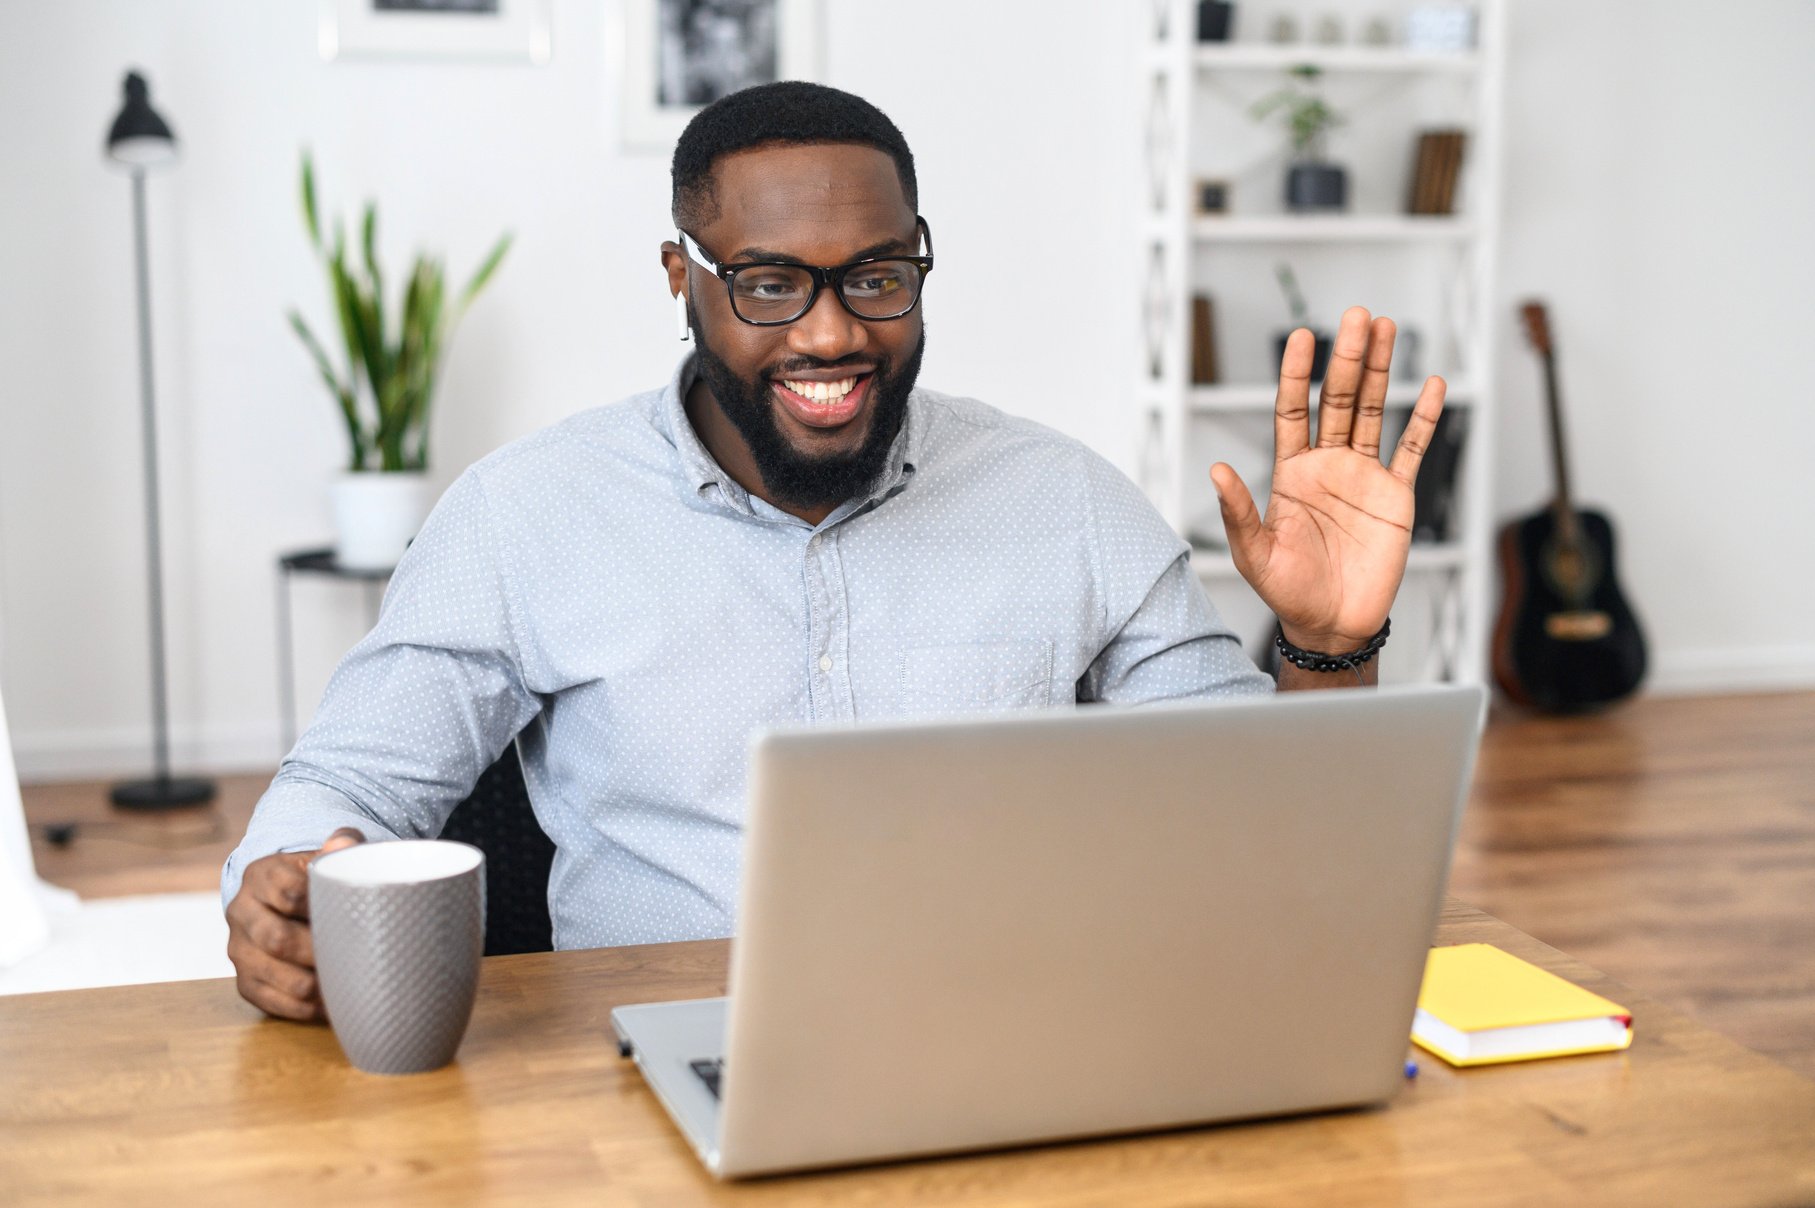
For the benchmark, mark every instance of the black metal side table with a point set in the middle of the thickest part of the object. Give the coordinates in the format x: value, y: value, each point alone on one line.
x: 312, y: 562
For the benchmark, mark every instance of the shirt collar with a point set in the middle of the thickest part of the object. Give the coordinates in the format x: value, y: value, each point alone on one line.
x: 701, y: 471
x: 697, y: 466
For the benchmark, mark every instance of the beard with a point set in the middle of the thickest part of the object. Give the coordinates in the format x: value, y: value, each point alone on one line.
x: 789, y: 475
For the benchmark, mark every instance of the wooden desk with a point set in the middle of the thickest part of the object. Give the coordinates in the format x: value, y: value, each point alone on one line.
x: 181, y: 1094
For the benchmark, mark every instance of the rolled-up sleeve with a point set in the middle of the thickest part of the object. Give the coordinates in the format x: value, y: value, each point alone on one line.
x: 418, y: 709
x: 1162, y: 637
x: 1174, y: 647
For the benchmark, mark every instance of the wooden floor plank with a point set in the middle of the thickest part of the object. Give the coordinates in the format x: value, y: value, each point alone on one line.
x: 1670, y: 842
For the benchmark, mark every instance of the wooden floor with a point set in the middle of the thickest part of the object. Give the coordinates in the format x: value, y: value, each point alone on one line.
x: 1670, y: 842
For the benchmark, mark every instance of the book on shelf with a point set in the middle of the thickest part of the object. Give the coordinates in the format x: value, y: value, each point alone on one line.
x: 1203, y: 342
x: 1451, y: 171
x: 1435, y: 169
x: 1480, y: 1005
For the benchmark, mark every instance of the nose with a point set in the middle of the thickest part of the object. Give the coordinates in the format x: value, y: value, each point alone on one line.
x: 827, y: 331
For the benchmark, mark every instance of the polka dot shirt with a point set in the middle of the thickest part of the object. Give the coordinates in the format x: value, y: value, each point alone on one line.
x: 603, y: 593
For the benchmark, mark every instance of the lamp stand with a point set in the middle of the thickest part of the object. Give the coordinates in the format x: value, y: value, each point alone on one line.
x: 161, y: 791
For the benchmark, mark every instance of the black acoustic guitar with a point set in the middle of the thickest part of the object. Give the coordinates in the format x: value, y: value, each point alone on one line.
x: 1566, y: 639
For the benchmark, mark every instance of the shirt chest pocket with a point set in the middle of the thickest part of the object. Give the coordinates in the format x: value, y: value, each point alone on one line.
x: 976, y: 677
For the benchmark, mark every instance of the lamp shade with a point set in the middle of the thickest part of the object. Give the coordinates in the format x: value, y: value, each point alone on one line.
x: 140, y: 137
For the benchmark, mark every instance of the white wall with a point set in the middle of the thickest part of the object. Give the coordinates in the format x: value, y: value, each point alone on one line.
x: 1659, y: 196
x: 1656, y: 197
x: 1015, y: 150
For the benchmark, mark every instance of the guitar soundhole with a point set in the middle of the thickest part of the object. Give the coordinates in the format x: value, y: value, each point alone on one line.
x: 1572, y: 570
x: 1579, y: 626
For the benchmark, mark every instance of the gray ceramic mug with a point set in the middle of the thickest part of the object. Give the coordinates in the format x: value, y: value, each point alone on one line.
x: 399, y: 929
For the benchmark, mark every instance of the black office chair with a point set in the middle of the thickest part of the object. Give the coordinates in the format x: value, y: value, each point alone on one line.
x: 497, y: 819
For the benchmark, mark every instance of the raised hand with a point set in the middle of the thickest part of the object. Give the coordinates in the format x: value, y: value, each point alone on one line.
x: 1330, y: 554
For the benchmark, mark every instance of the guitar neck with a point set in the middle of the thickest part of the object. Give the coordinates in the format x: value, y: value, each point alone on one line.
x: 1561, y: 505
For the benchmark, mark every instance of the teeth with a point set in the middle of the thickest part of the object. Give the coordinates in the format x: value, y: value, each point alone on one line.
x: 822, y: 392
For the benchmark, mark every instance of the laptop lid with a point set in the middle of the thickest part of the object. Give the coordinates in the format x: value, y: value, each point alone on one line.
x: 1041, y: 926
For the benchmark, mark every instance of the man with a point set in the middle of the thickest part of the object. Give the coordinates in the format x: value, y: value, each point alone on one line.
x: 791, y: 532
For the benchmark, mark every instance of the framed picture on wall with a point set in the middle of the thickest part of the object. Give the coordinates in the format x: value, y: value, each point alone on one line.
x: 677, y: 56
x: 514, y: 31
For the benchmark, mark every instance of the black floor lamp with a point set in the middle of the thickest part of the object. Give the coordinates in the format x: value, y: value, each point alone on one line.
x: 141, y: 140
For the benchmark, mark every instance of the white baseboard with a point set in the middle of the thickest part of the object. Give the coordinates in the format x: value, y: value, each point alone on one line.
x: 124, y: 751
x: 1749, y: 669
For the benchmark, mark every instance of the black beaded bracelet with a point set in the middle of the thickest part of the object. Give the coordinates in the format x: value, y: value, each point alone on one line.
x: 1306, y: 660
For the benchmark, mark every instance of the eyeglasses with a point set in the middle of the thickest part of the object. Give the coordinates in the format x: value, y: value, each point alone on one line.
x: 770, y: 293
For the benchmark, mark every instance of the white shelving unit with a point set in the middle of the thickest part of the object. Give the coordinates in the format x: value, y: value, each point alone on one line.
x: 1433, y: 274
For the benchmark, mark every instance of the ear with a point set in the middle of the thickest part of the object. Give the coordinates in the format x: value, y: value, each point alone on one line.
x: 674, y: 262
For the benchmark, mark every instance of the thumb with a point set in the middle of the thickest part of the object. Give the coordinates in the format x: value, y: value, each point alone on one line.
x: 1241, y: 519
x: 346, y: 836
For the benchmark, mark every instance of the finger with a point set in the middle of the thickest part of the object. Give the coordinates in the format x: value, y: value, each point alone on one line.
x: 279, y: 882
x: 346, y: 836
x: 1249, y: 544
x: 273, y: 1000
x: 1292, y: 405
x: 1341, y: 381
x: 1370, y: 406
x: 284, y: 938
x: 263, y: 980
x: 260, y: 966
x: 1418, y: 430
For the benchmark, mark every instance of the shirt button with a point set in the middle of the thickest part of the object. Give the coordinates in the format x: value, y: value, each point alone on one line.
x: 825, y: 662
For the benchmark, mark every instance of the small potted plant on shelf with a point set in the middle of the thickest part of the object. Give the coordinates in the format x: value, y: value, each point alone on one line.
x: 1312, y: 182
x: 1322, y: 342
x: 383, y: 395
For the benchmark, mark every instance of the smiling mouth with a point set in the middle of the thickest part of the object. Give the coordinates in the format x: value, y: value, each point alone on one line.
x: 823, y: 404
x: 822, y: 392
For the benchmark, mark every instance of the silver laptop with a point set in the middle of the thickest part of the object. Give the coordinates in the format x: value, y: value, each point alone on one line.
x: 969, y: 935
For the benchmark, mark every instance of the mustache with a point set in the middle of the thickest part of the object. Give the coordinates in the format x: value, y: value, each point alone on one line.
x: 811, y: 364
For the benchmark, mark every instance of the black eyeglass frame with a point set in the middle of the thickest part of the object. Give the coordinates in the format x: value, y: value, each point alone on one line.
x: 823, y: 277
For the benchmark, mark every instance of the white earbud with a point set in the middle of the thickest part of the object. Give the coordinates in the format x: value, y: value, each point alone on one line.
x: 680, y: 309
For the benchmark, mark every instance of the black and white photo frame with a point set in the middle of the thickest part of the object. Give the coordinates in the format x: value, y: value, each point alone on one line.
x: 676, y: 56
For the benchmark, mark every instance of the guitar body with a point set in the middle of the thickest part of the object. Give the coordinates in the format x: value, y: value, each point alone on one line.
x: 1566, y: 639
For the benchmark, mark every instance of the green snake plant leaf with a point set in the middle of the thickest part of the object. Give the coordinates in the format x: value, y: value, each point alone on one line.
x: 395, y: 413
x: 311, y: 220
x: 343, y: 393
x: 358, y: 321
x: 428, y: 332
x: 368, y: 242
x: 346, y: 308
x: 485, y: 270
x: 378, y: 357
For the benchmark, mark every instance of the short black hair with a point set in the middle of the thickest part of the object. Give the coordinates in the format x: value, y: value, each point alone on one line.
x: 789, y: 111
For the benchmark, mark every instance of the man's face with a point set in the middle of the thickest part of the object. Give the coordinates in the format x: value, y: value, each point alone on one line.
x: 826, y: 204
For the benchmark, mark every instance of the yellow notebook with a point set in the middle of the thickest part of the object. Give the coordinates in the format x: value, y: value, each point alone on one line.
x: 1479, y: 1005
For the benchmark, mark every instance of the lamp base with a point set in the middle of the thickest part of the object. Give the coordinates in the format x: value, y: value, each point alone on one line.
x: 162, y: 793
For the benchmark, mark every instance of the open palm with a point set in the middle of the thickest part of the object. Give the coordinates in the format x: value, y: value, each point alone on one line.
x: 1330, y: 554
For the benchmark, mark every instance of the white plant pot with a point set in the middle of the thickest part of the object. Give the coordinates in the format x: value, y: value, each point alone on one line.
x: 376, y: 515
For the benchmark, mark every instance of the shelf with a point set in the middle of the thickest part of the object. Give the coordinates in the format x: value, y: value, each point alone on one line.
x: 1330, y: 228
x: 1441, y: 267
x: 1259, y: 396
x: 1236, y: 56
x: 1215, y: 563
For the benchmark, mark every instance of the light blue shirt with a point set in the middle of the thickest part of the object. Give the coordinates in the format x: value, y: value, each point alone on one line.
x: 606, y: 594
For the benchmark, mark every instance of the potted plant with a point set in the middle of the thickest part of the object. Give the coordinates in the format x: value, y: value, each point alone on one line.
x: 1312, y: 182
x: 1322, y: 342
x: 384, y: 393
